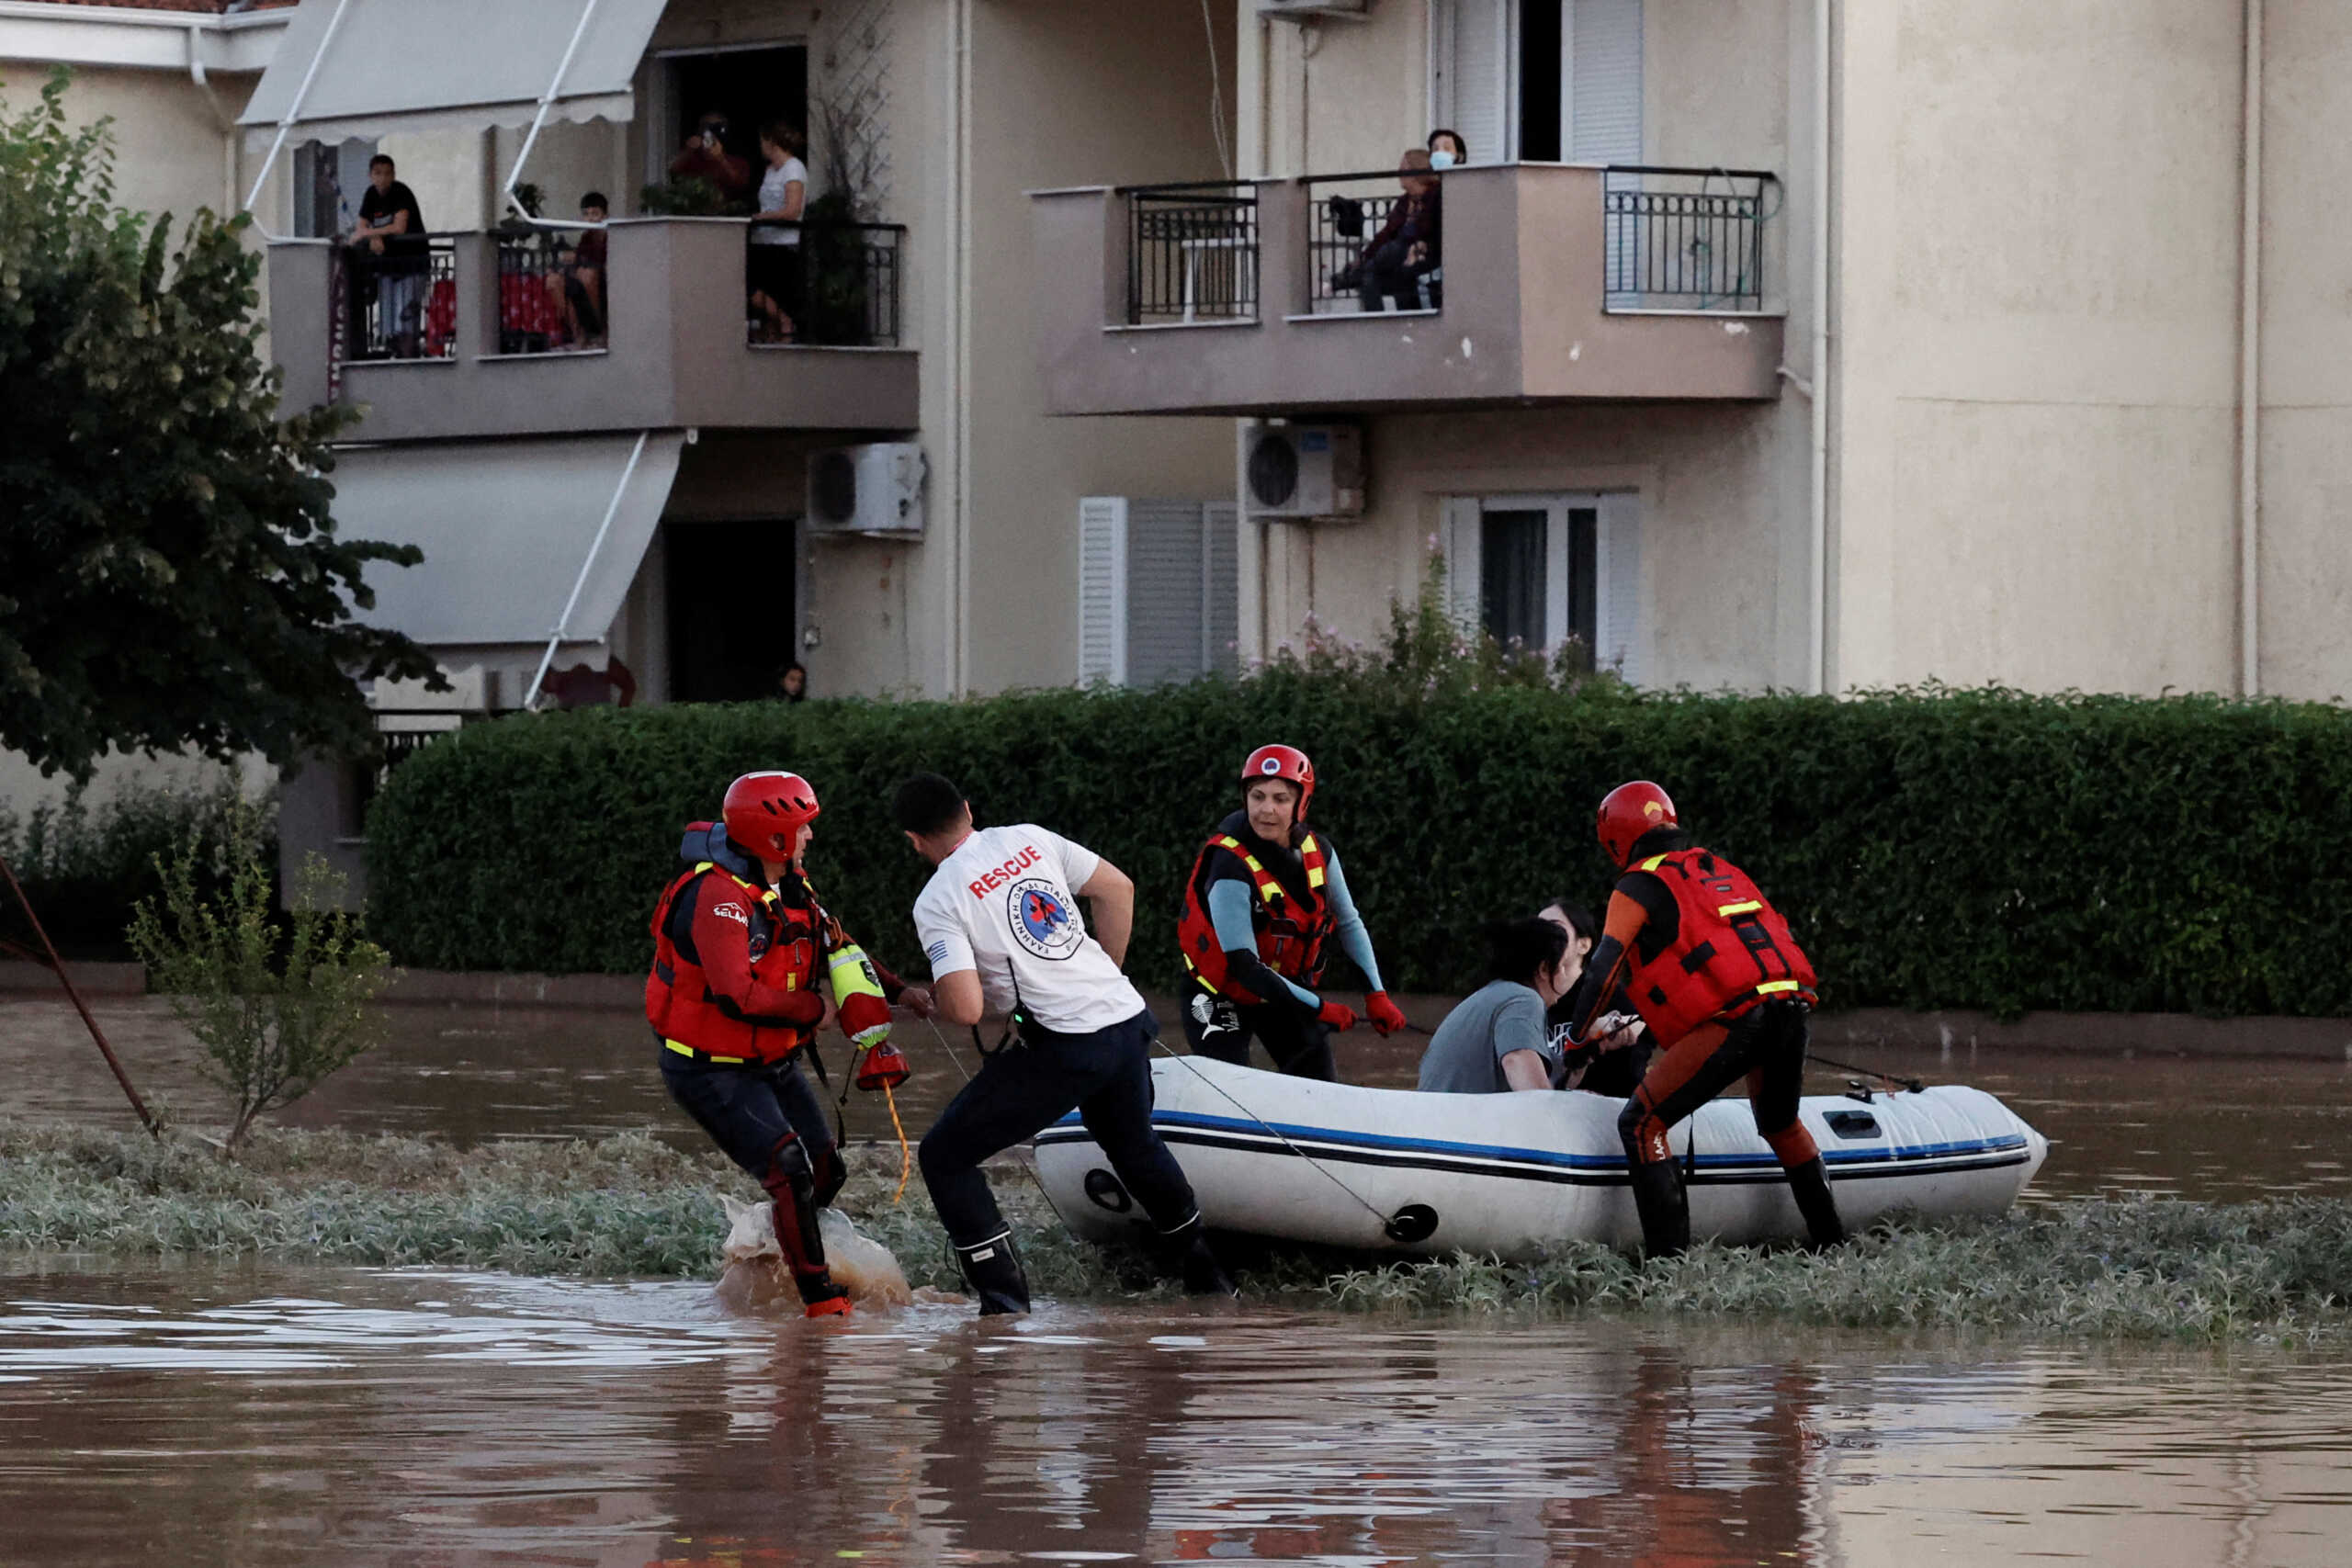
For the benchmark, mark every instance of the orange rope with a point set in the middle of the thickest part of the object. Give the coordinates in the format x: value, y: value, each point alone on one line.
x: 906, y: 1155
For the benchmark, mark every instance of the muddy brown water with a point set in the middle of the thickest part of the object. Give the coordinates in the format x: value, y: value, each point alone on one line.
x: 2222, y: 1129
x: 263, y: 1415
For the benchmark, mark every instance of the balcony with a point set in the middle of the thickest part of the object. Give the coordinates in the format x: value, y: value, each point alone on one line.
x: 485, y: 335
x: 1559, y: 284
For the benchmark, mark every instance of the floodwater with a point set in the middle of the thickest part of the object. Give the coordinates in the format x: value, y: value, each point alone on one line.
x: 263, y: 1415
x: 2221, y: 1129
x: 272, y: 1415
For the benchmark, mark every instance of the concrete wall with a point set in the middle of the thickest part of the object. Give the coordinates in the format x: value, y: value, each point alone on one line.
x: 2037, y: 319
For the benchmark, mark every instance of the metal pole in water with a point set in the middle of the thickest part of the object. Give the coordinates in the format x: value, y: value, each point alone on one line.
x: 146, y: 1117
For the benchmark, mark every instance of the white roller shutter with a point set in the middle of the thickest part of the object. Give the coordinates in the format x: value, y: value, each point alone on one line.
x: 1167, y: 574
x: 1461, y: 538
x: 1101, y: 589
x: 1622, y: 640
x: 1221, y: 624
x: 1470, y: 74
x: 1604, y: 80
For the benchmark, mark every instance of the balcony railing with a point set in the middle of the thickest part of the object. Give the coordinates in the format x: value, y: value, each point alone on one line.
x: 401, y: 304
x: 552, y: 292
x: 1687, y: 239
x: 830, y: 284
x: 1192, y: 254
x: 1345, y: 272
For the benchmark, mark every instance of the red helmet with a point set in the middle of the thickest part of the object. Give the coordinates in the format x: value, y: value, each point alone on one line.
x: 1629, y: 811
x: 1286, y: 762
x: 766, y: 812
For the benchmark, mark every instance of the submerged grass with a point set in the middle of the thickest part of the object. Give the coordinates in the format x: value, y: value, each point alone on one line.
x: 629, y: 1205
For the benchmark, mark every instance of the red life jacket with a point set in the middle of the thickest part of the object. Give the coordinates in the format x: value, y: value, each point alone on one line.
x: 1731, y: 954
x: 1291, y: 930
x: 785, y: 944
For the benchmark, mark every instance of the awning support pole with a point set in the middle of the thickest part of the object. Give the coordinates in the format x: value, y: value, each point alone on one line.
x: 547, y: 100
x: 294, y: 109
x: 580, y: 585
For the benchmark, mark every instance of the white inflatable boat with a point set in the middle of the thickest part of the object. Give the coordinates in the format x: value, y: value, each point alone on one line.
x: 1426, y: 1175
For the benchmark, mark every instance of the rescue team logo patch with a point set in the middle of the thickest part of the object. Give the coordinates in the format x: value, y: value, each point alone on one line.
x: 732, y: 912
x: 1271, y: 765
x: 1041, y: 921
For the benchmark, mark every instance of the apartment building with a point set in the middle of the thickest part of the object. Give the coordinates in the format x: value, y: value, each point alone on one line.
x: 1793, y: 343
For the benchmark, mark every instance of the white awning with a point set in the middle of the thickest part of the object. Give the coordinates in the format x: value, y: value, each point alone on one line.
x: 508, y: 529
x: 368, y: 68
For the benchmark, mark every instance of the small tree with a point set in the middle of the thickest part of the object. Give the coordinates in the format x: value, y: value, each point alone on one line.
x: 278, y: 1006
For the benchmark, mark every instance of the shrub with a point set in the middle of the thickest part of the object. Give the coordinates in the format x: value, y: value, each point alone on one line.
x: 277, y: 1008
x: 1933, y: 848
x: 86, y: 866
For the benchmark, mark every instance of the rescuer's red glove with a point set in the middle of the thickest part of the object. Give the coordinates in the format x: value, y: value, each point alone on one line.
x: 865, y: 1017
x: 1337, y: 1015
x: 1386, y: 1015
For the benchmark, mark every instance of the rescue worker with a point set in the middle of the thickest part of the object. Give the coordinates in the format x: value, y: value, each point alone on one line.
x: 1724, y: 990
x: 1264, y: 902
x: 1001, y: 923
x: 739, y: 946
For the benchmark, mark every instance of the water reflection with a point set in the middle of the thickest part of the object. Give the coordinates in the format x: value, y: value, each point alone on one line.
x: 272, y: 1415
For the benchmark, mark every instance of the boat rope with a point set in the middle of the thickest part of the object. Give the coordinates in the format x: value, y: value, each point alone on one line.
x: 906, y: 1155
x: 1914, y: 1085
x: 1219, y: 1088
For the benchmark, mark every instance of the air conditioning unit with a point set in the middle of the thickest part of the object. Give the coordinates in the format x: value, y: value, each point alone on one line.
x: 875, y: 489
x: 1307, y: 470
x: 1312, y: 10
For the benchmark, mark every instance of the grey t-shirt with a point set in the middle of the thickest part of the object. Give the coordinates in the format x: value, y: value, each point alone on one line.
x: 1465, y: 1054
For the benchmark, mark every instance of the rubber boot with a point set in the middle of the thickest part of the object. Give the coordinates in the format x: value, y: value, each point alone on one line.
x: 994, y: 1271
x: 1664, y: 1206
x: 793, y: 1210
x: 1809, y: 1185
x: 1188, y: 1244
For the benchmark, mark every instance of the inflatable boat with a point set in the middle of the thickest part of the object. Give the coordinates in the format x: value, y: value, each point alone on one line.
x: 1428, y: 1175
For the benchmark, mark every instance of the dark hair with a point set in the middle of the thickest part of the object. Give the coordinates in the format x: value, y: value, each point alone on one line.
x: 1519, y: 950
x: 1458, y: 141
x: 786, y: 135
x: 593, y: 199
x: 1579, y: 919
x: 927, y: 805
x: 382, y: 158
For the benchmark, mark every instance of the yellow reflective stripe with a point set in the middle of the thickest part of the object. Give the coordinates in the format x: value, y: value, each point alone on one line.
x: 683, y: 1049
x: 1314, y: 876
x: 1747, y: 908
x: 1655, y: 861
x: 1772, y: 988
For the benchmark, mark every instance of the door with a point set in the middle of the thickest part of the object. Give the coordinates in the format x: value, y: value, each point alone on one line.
x: 732, y: 656
x: 1539, y: 81
x: 1537, y: 570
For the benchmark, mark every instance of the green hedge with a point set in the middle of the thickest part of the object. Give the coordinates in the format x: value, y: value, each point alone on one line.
x: 85, y: 866
x: 1976, y: 849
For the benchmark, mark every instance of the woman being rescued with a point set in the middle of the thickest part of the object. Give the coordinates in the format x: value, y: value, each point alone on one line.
x: 1265, y: 898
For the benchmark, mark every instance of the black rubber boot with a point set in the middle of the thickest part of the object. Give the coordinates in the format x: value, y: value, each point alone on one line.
x: 1664, y: 1208
x: 1809, y: 1185
x: 1188, y: 1244
x: 994, y: 1274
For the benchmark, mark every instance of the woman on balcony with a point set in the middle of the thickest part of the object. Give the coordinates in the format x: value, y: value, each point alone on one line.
x: 775, y: 255
x: 1403, y: 260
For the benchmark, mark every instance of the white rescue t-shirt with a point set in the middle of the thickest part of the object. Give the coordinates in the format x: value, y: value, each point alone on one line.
x: 1004, y: 904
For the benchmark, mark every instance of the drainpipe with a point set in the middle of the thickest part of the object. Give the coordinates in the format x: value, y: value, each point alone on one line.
x: 222, y: 118
x: 2250, y: 370
x: 959, y: 419
x: 1822, y: 232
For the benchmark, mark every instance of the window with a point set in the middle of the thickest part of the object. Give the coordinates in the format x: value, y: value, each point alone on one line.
x: 749, y: 83
x: 1159, y: 590
x: 1540, y: 569
x: 1539, y: 80
x: 329, y: 181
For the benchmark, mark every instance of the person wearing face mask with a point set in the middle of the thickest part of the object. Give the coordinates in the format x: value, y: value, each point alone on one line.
x: 1494, y: 1040
x: 1447, y: 150
x: 1265, y: 900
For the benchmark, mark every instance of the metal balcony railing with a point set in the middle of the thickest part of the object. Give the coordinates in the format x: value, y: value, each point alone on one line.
x: 1192, y: 254
x: 1351, y: 266
x: 840, y: 285
x: 1687, y: 239
x: 401, y: 304
x: 552, y: 291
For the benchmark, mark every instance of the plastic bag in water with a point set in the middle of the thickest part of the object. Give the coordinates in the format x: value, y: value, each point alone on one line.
x: 756, y: 1274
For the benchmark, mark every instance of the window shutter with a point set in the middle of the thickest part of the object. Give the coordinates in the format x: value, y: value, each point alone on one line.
x: 1605, y: 82
x: 1460, y: 535
x: 1167, y: 552
x: 1622, y: 643
x: 1470, y: 74
x: 1101, y: 589
x: 1222, y: 572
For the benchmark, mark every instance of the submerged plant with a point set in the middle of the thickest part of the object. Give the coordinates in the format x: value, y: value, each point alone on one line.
x: 277, y: 1008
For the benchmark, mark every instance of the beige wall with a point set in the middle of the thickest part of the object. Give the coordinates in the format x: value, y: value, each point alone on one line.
x: 2038, y: 292
x: 2306, y: 568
